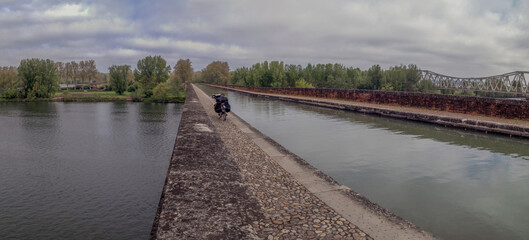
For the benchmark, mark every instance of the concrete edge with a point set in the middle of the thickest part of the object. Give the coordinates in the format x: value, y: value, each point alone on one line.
x: 481, y: 126
x: 334, y: 186
x: 233, y: 219
x: 379, y: 210
x: 156, y: 221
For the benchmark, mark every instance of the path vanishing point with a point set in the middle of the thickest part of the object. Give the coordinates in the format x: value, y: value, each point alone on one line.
x: 227, y: 180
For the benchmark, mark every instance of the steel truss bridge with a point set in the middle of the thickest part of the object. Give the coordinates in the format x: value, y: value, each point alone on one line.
x: 514, y: 82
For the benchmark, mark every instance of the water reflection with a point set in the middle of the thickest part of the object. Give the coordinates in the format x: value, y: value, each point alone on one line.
x: 517, y: 147
x: 456, y: 184
x: 495, y: 143
x: 38, y: 116
x: 82, y: 170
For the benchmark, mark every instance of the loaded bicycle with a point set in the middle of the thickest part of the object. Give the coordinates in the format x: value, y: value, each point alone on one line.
x: 221, y: 106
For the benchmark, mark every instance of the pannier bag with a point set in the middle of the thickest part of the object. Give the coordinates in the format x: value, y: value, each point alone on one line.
x: 219, y: 100
x: 217, y: 107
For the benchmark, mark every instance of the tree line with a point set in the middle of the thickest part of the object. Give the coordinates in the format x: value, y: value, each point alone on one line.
x: 278, y: 74
x: 40, y: 78
x: 72, y: 72
x: 151, y: 78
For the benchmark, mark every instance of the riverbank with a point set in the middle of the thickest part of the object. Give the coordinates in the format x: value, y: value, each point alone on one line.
x: 510, y: 127
x: 277, y: 196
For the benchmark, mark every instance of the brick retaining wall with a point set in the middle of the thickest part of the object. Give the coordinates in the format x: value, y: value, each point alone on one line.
x: 495, y: 107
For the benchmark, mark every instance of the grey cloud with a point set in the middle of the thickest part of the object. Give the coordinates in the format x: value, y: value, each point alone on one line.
x: 464, y: 38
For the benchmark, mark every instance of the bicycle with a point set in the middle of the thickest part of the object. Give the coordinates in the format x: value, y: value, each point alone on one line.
x: 220, y: 106
x: 223, y: 114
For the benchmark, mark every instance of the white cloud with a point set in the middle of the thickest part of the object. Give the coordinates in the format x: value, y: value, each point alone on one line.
x: 125, y: 52
x: 67, y: 10
x: 185, y: 45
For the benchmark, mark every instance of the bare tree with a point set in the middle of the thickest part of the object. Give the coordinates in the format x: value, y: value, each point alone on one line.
x: 82, y: 71
x: 75, y: 72
x: 60, y: 70
x: 91, y: 70
x: 68, y: 73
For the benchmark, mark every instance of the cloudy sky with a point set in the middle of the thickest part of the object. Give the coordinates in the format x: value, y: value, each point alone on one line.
x: 454, y: 37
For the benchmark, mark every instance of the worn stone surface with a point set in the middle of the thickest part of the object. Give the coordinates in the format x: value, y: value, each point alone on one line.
x: 512, y: 109
x: 226, y: 181
x: 500, y: 125
x: 286, y: 183
x: 205, y: 195
x: 290, y: 211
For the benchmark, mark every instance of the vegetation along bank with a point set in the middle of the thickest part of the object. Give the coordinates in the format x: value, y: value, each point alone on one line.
x: 45, y: 80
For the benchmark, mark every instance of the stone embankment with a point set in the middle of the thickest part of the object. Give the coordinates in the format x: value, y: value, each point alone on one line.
x: 227, y: 180
x: 486, y: 106
x: 450, y: 111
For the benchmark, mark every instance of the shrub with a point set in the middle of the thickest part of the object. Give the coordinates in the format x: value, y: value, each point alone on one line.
x: 302, y: 84
x: 66, y: 96
x: 137, y: 95
x: 10, y: 84
x: 147, y: 93
x: 161, y: 92
x: 132, y: 88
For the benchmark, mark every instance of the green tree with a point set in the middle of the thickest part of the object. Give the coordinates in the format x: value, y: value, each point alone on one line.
x: 413, y: 76
x: 39, y: 77
x: 292, y: 74
x: 10, y: 83
x: 277, y: 74
x: 395, y: 78
x: 277, y: 70
x: 118, y: 78
x: 161, y: 92
x: 175, y: 84
x: 184, y: 70
x: 216, y: 72
x: 375, y: 76
x: 239, y: 77
x: 266, y: 78
x: 426, y: 86
x: 353, y: 78
x: 151, y: 71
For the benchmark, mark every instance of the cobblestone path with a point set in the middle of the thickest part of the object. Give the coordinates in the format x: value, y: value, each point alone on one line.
x: 290, y: 210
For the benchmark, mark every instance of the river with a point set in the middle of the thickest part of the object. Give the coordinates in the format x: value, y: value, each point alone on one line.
x: 453, y: 183
x: 83, y: 170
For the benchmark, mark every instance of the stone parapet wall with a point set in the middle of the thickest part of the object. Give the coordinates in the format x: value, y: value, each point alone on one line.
x: 495, y: 107
x: 205, y: 195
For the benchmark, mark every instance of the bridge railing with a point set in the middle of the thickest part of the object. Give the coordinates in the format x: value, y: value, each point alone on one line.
x: 514, y: 82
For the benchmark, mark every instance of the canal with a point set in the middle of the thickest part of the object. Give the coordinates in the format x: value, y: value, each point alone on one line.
x: 453, y: 183
x: 83, y: 170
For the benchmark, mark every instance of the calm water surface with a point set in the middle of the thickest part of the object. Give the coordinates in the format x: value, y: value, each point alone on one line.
x: 456, y: 184
x: 83, y: 170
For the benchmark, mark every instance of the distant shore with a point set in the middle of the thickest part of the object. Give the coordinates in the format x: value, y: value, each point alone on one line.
x: 96, y: 96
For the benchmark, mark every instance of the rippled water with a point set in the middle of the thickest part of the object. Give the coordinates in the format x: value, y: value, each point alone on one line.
x: 456, y: 184
x: 83, y: 170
